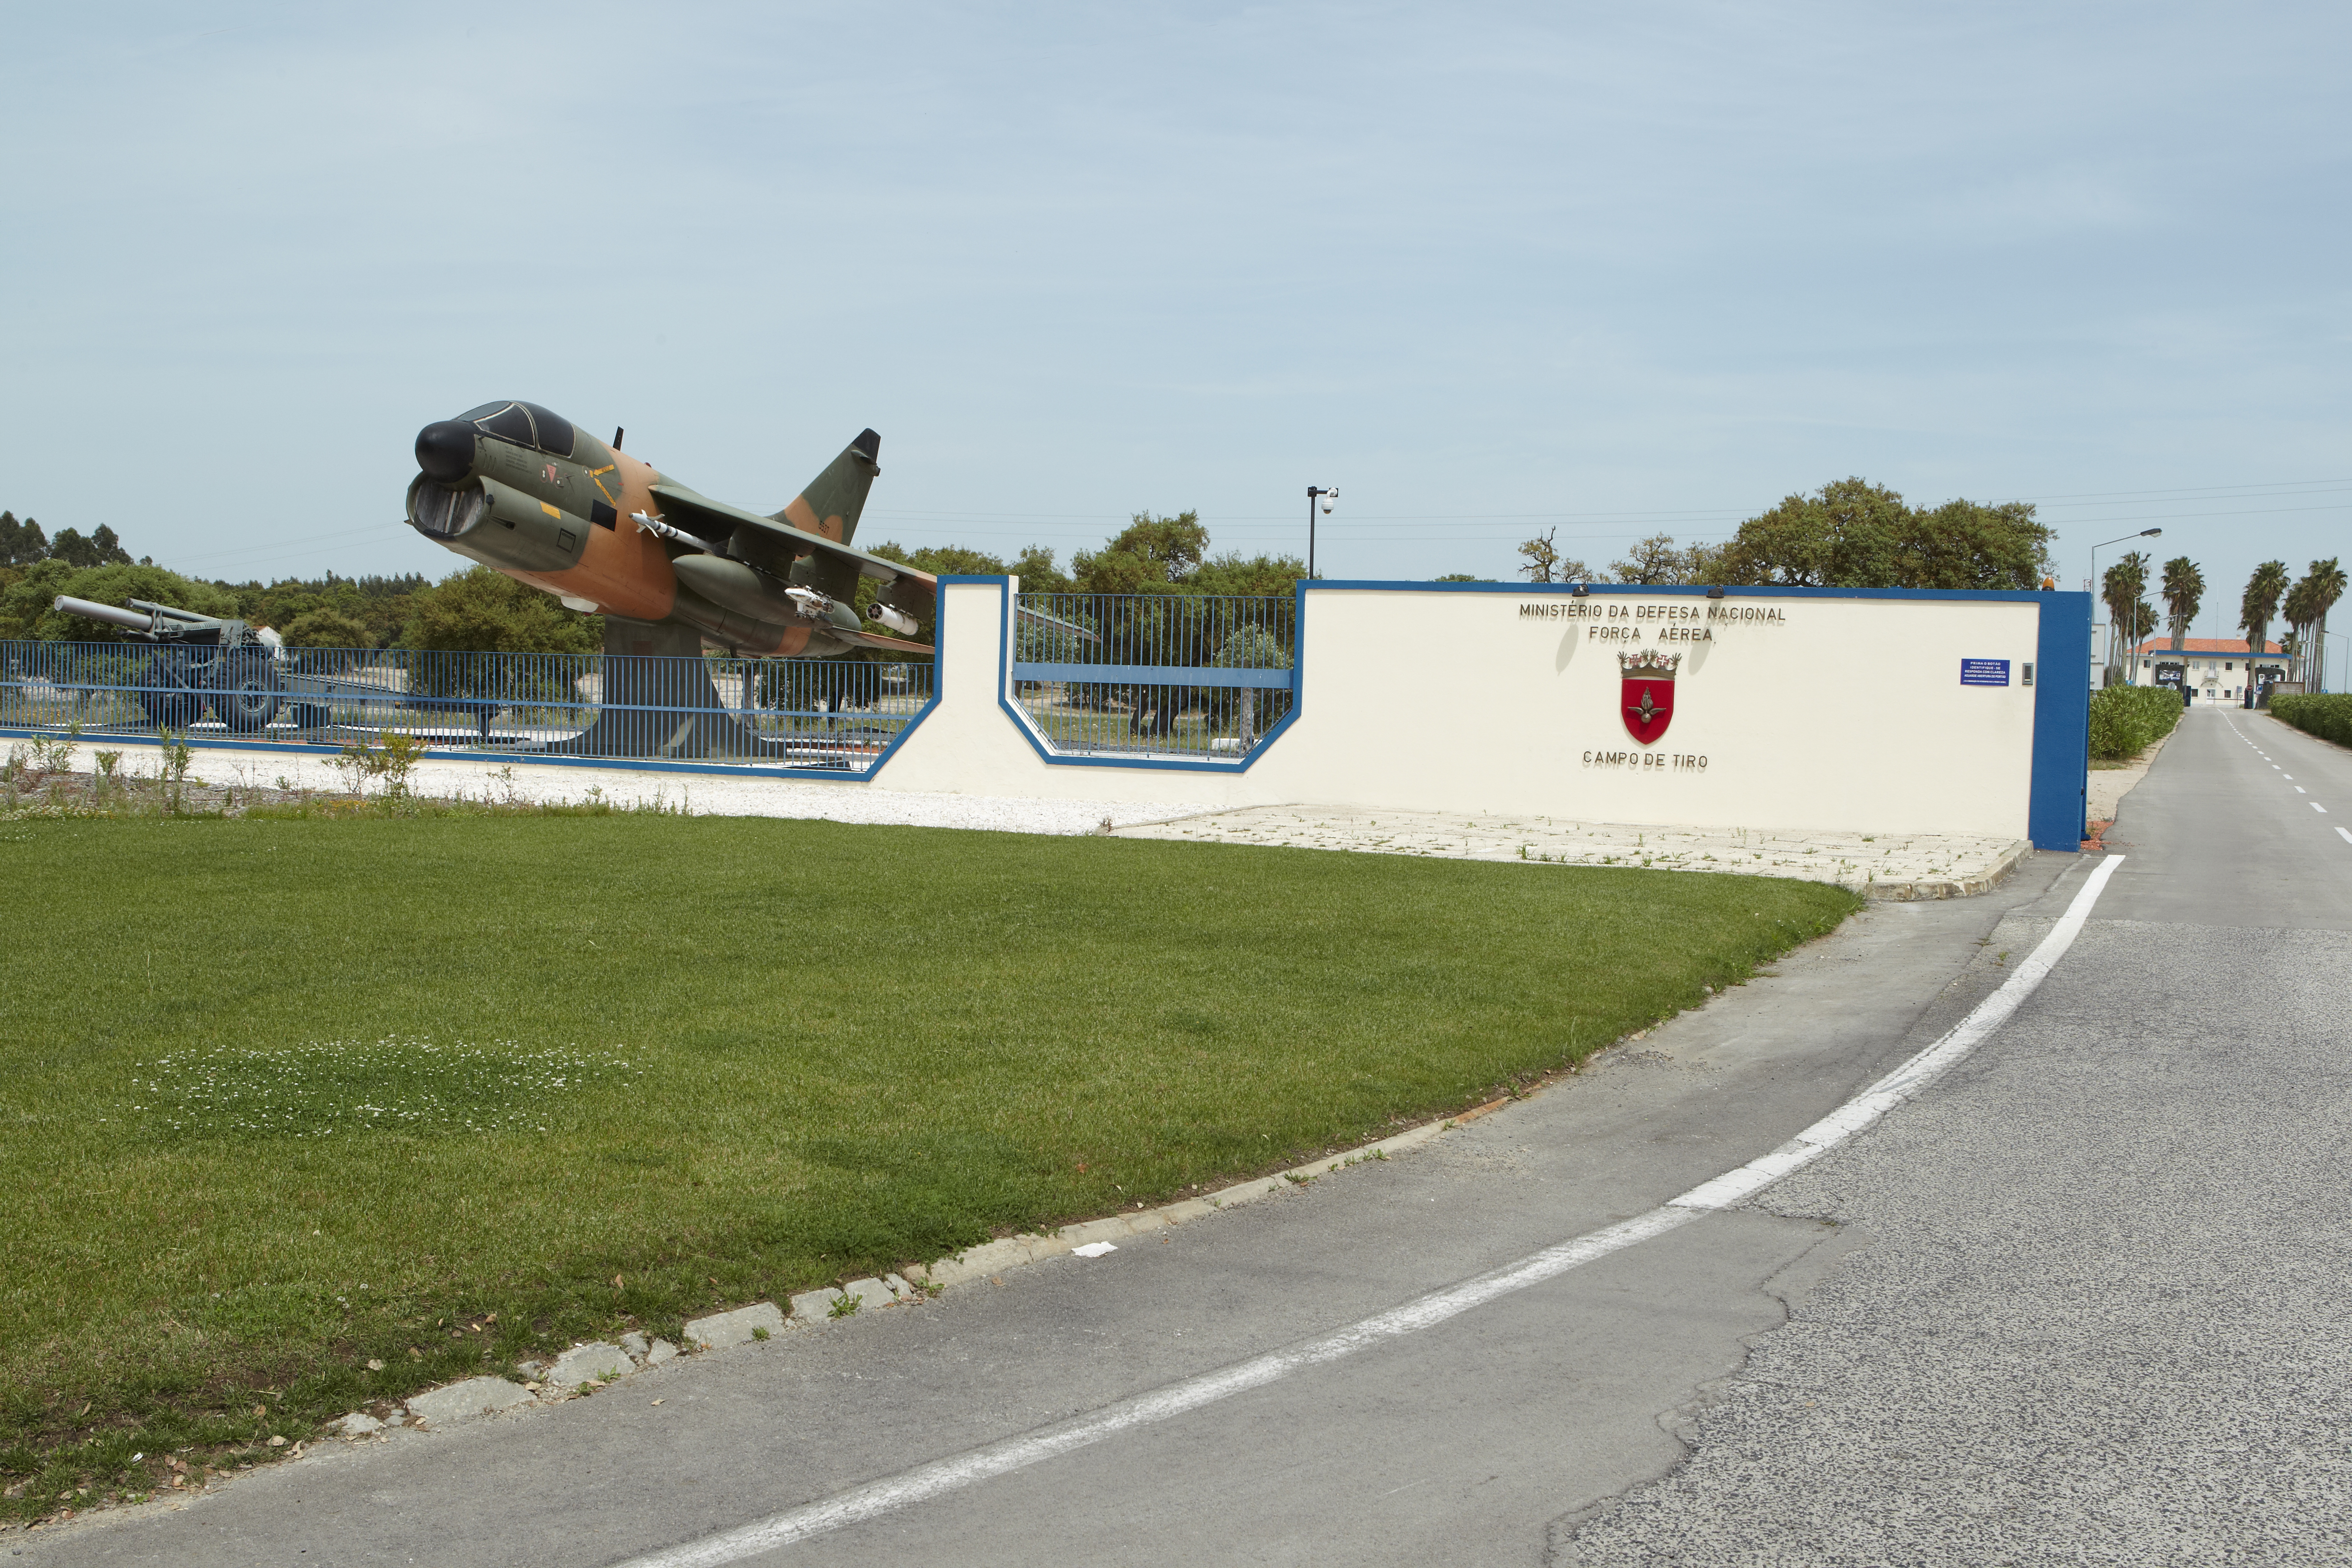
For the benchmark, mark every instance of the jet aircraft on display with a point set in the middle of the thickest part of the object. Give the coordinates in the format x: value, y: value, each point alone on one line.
x: 526, y: 491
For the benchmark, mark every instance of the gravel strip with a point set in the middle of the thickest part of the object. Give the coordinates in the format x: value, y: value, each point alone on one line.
x: 1879, y: 866
x: 700, y: 794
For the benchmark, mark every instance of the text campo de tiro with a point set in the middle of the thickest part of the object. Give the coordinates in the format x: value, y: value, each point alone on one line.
x: 1633, y: 624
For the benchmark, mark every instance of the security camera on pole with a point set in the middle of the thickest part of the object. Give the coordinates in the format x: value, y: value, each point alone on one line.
x: 1329, y: 497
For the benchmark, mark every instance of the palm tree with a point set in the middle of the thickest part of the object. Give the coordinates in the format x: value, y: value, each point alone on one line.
x: 2321, y: 587
x: 2128, y: 615
x: 2297, y: 613
x: 2255, y: 610
x: 2184, y: 591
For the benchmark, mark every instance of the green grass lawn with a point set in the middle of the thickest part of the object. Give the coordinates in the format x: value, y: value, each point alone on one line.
x: 284, y: 1096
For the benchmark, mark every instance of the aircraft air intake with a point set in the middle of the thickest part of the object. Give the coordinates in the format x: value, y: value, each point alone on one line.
x: 445, y: 514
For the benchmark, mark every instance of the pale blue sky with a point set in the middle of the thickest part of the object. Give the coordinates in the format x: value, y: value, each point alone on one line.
x: 1484, y: 267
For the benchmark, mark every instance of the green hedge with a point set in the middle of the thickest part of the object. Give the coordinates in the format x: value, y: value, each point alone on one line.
x: 2327, y: 717
x: 2127, y: 719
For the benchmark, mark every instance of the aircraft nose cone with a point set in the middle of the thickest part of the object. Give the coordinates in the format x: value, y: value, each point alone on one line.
x: 445, y: 450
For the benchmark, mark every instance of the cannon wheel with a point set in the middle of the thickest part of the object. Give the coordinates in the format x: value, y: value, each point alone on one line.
x: 244, y: 692
x: 164, y: 692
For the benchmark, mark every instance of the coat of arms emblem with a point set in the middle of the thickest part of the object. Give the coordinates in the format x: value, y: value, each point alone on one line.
x: 1647, y: 693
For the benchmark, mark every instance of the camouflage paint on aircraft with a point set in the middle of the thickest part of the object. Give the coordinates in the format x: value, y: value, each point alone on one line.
x: 529, y: 493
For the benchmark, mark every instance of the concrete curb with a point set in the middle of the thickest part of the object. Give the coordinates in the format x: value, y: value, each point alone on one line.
x: 764, y: 1320
x: 1014, y: 1251
x: 1950, y: 887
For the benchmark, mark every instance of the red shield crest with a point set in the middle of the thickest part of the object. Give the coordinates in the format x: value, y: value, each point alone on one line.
x: 1646, y: 690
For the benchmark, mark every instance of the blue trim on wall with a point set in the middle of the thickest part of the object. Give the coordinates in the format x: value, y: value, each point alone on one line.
x: 1027, y: 728
x: 195, y: 742
x: 1698, y: 591
x: 772, y: 771
x: 2058, y: 815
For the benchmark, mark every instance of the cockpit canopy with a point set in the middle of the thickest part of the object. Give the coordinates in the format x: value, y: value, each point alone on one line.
x: 524, y: 424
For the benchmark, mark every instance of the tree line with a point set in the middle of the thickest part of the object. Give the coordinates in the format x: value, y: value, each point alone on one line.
x: 1849, y: 534
x: 477, y: 609
x: 24, y: 543
x: 1166, y: 556
x: 474, y: 609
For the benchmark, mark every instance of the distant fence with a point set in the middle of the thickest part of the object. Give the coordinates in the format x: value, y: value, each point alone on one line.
x: 794, y: 713
x: 1197, y: 677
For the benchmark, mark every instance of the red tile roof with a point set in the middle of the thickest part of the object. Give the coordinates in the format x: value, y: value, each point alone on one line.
x: 2206, y: 645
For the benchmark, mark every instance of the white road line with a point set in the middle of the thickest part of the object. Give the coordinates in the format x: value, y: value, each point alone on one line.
x: 2317, y: 807
x: 2300, y: 790
x: 1913, y: 1075
x: 923, y: 1483
x: 2344, y: 834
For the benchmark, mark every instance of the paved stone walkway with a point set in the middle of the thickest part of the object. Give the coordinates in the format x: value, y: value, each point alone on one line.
x: 1880, y: 866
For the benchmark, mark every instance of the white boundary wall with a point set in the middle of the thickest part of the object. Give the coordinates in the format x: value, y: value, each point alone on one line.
x: 1821, y: 712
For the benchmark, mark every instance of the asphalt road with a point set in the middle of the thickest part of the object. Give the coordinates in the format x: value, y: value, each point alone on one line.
x: 2102, y: 1313
x: 2084, y: 1287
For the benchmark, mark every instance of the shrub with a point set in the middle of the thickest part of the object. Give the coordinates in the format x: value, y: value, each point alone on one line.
x: 1250, y: 648
x: 482, y: 611
x: 2329, y: 717
x: 2127, y: 719
x: 325, y: 628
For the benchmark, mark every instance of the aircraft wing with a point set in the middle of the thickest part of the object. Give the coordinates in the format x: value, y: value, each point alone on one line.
x: 698, y: 514
x: 876, y: 639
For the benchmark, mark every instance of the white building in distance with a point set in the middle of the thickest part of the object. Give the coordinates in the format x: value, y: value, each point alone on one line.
x: 2214, y: 669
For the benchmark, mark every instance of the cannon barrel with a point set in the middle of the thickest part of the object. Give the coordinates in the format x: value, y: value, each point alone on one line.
x: 169, y: 614
x: 67, y: 605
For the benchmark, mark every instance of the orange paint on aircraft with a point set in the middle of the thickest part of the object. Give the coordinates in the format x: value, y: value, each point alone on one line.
x: 803, y: 516
x: 621, y: 570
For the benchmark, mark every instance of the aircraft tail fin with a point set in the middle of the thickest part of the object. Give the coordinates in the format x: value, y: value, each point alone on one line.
x: 833, y: 501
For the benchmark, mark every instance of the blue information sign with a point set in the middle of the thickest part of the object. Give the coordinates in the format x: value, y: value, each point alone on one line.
x: 1984, y: 673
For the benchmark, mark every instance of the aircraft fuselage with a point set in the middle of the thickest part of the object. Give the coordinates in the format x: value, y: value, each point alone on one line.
x: 528, y: 493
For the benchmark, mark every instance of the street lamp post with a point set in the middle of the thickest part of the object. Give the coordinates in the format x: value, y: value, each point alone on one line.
x: 2143, y: 533
x: 1328, y: 496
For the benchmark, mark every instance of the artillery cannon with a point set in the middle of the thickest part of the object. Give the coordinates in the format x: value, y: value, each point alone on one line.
x: 199, y: 662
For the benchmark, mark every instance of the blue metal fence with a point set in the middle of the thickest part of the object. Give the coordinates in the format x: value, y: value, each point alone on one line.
x: 1143, y: 676
x: 1154, y: 675
x: 791, y: 713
